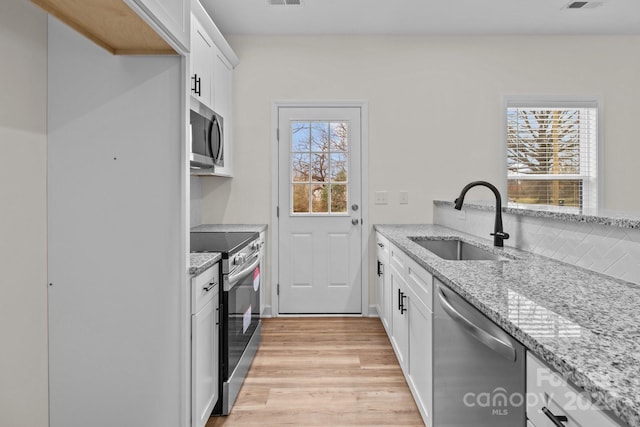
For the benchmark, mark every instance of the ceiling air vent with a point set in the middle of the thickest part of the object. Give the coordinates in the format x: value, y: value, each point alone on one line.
x: 285, y: 2
x: 583, y: 4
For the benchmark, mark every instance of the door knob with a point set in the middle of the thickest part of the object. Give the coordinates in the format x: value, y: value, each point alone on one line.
x: 354, y: 207
x: 355, y: 221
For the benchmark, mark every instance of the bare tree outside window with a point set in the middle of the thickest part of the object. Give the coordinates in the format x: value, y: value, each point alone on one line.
x: 319, y: 167
x: 545, y: 152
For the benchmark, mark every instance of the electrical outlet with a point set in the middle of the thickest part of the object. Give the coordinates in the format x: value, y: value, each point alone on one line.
x: 381, y: 197
x: 404, y: 197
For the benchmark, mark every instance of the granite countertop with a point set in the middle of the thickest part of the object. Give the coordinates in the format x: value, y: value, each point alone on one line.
x: 584, y: 324
x: 230, y: 228
x: 200, y: 261
x: 602, y: 216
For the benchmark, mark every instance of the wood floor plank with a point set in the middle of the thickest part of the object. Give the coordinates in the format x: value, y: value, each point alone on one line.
x: 323, y: 372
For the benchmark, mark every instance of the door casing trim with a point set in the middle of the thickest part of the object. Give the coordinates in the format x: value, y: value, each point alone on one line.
x: 364, y: 180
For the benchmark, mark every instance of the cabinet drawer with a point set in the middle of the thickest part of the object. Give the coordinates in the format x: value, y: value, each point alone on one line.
x: 547, y: 389
x: 382, y: 247
x: 397, y: 258
x: 204, y: 286
x: 421, y: 282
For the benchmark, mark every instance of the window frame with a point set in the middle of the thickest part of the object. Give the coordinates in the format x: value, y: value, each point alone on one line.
x: 330, y: 183
x: 557, y: 101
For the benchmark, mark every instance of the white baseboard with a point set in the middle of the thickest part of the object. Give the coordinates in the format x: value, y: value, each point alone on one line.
x: 266, y: 312
x: 373, y: 311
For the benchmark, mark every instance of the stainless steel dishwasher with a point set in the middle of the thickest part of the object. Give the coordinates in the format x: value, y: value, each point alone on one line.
x: 478, y: 369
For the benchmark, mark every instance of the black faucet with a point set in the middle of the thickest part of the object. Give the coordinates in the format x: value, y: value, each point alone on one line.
x: 498, y: 234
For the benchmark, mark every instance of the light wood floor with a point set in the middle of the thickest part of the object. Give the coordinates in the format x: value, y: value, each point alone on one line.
x: 323, y: 372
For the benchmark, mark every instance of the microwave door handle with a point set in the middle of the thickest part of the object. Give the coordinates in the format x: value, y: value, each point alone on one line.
x: 208, y: 137
x: 219, y: 129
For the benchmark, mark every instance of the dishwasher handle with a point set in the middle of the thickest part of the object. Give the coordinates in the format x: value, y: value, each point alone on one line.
x: 505, y: 349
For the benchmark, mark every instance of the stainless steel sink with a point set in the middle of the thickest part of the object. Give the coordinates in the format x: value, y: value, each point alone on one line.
x: 457, y: 250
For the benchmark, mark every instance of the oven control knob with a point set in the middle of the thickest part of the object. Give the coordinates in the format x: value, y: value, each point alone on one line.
x: 239, y: 259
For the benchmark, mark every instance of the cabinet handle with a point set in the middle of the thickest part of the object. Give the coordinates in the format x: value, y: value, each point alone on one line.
x: 217, y: 316
x: 209, y: 286
x: 401, y: 297
x: 380, y: 269
x: 402, y: 306
x: 381, y: 244
x: 196, y: 84
x: 557, y: 420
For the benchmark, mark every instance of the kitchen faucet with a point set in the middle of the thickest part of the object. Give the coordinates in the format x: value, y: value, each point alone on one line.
x: 498, y: 234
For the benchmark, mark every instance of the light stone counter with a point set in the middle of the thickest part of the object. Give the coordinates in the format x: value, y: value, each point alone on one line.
x: 200, y: 261
x: 584, y: 324
x: 230, y: 228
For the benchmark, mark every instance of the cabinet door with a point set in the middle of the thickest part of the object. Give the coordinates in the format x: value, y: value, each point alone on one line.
x: 400, y: 333
x: 204, y: 363
x: 172, y: 16
x: 381, y: 274
x: 222, y: 84
x: 223, y: 105
x: 419, y: 363
x: 202, y: 52
x: 383, y: 293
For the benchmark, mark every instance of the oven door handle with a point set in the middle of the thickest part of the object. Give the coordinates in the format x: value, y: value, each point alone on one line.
x: 236, y: 277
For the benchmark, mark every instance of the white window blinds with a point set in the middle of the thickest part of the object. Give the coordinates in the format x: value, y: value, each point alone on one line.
x: 552, y: 155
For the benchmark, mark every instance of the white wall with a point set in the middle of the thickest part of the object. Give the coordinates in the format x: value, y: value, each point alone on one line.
x: 419, y: 89
x: 23, y: 216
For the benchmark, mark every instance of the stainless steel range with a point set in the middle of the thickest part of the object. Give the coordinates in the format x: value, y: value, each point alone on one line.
x: 239, y: 304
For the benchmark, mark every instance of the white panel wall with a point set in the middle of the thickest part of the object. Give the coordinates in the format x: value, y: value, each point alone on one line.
x: 23, y: 215
x: 119, y: 304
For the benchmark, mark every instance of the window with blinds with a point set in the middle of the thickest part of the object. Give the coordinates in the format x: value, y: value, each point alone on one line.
x: 552, y: 155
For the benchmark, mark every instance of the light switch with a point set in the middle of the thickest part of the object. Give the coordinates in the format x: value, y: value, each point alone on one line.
x: 381, y: 198
x: 404, y: 197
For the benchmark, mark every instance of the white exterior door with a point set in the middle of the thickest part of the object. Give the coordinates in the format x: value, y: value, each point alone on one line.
x: 319, y: 199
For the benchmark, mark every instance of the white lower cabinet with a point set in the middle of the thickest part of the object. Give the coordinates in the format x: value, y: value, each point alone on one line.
x: 551, y: 398
x: 384, y: 293
x: 411, y: 331
x: 204, y: 345
x: 399, y: 330
x: 420, y: 327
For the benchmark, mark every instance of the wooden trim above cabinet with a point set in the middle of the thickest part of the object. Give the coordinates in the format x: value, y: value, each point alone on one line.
x: 111, y: 24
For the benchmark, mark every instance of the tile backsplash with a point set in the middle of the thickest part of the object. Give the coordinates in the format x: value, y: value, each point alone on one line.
x: 606, y: 249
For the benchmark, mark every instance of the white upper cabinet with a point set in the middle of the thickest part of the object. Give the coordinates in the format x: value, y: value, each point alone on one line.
x: 212, y: 63
x: 222, y: 84
x: 202, y: 56
x: 172, y: 16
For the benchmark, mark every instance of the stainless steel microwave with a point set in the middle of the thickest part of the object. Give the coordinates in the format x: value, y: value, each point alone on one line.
x: 207, y: 137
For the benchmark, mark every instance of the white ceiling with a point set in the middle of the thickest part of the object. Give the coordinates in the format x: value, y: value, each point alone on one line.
x: 437, y: 17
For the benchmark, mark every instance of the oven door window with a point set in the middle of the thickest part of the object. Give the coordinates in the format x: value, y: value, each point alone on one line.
x: 243, y: 306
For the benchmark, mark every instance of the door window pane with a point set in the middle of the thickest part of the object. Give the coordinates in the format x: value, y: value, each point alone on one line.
x: 300, y: 167
x: 339, y: 198
x: 320, y: 167
x: 300, y: 136
x: 300, y: 198
x: 320, y: 198
x: 339, y: 167
x: 319, y: 157
x: 339, y: 136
